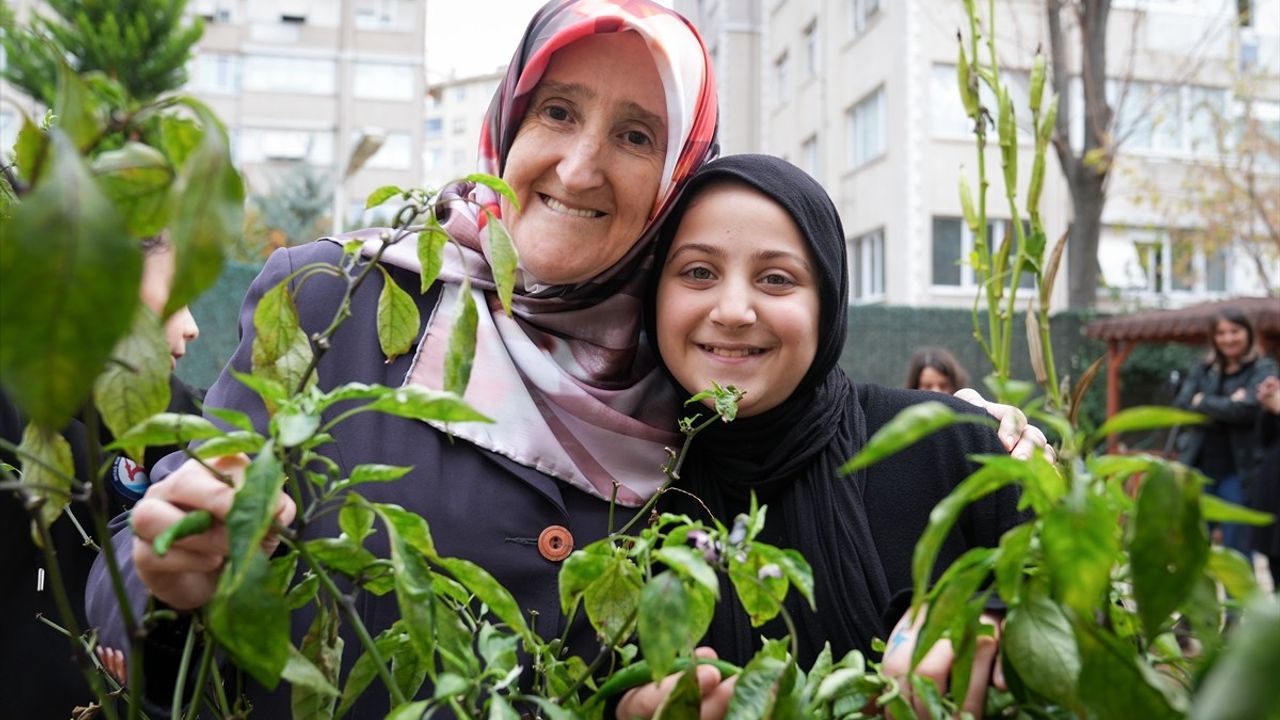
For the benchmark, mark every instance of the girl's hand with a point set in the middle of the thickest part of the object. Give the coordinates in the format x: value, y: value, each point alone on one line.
x: 1017, y: 436
x: 186, y: 576
x: 644, y: 701
x: 113, y: 662
x: 937, y: 661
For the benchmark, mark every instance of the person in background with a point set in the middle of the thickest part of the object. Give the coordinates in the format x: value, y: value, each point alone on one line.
x: 1224, y: 387
x: 933, y: 368
x: 1266, y: 485
x: 39, y: 678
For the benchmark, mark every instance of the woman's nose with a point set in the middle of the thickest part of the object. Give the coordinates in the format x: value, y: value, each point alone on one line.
x: 581, y: 168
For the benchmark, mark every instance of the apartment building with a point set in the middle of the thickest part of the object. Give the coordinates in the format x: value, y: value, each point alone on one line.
x: 302, y: 81
x: 862, y: 94
x: 454, y: 116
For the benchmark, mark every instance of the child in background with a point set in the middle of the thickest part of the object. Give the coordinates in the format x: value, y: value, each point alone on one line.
x: 935, y: 369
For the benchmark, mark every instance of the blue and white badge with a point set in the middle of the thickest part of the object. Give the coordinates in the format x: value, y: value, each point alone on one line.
x: 129, y: 479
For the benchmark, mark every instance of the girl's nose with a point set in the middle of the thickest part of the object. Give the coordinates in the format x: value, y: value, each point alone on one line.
x: 733, y: 308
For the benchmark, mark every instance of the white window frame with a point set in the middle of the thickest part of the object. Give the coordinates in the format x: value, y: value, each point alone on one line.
x: 968, y: 283
x: 856, y: 116
x: 861, y: 13
x: 866, y: 267
x: 812, y: 50
x: 781, y: 78
x: 811, y: 157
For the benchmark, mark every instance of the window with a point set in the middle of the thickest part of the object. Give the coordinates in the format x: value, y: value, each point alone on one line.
x: 214, y: 10
x: 380, y: 81
x: 866, y: 266
x: 271, y: 73
x: 459, y: 125
x: 1156, y: 261
x: 434, y: 128
x: 432, y: 159
x: 810, y: 160
x: 780, y: 79
x: 460, y: 163
x: 394, y: 153
x: 285, y: 144
x: 9, y: 126
x: 860, y: 14
x: 866, y: 130
x: 812, y: 51
x: 460, y: 93
x: 953, y: 246
x: 947, y: 117
x: 1161, y: 118
x: 377, y: 14
x: 214, y: 73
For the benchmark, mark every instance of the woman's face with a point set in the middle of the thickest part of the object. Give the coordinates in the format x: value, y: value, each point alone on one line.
x: 157, y: 281
x: 587, y: 160
x: 738, y: 298
x: 931, y: 379
x: 1232, y: 340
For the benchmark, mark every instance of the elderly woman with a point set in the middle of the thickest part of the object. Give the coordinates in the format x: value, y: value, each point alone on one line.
x: 605, y: 110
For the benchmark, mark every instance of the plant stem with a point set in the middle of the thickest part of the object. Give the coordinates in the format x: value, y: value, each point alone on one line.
x: 202, y: 671
x: 605, y: 652
x: 348, y: 608
x: 184, y: 663
x: 673, y: 474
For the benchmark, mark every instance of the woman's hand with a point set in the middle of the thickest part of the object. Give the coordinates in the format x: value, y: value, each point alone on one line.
x: 113, y: 662
x: 1017, y: 436
x: 1269, y: 394
x: 937, y: 661
x: 186, y: 576
x: 644, y: 701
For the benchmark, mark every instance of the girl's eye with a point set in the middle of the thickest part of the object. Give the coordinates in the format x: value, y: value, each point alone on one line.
x: 699, y: 273
x: 777, y: 280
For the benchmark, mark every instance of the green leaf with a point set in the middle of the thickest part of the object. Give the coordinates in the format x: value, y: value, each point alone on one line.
x: 398, y: 318
x: 65, y: 235
x: 761, y: 594
x: 271, y: 391
x: 408, y: 711
x: 30, y: 150
x: 294, y: 427
x: 431, y: 243
x: 502, y: 259
x: 794, y: 567
x: 1215, y: 509
x: 1080, y: 542
x: 462, y: 342
x: 314, y: 697
x: 373, y: 472
x: 1015, y: 544
x: 612, y: 599
x: 1168, y: 549
x: 950, y: 595
x: 408, y: 670
x: 1042, y: 481
x: 75, y: 108
x: 412, y: 576
x: 179, y: 136
x: 1242, y: 685
x: 685, y: 699
x: 1038, y: 640
x: 690, y: 564
x: 497, y: 185
x: 580, y: 569
x: 303, y: 593
x: 281, y: 351
x: 46, y: 463
x: 906, y: 428
x: 235, y: 442
x: 663, y: 622
x: 207, y: 214
x: 1233, y: 570
x: 490, y: 592
x: 381, y: 195
x: 419, y: 403
x: 166, y: 429
x: 355, y: 519
x: 1115, y: 684
x: 978, y: 485
x: 137, y: 178
x: 135, y: 385
x: 1146, y: 417
x: 365, y: 670
x: 755, y: 693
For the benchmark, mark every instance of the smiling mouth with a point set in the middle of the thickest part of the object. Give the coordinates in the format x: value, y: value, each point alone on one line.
x: 563, y: 209
x: 732, y: 353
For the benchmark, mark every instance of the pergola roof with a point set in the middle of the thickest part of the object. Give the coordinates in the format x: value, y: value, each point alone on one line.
x: 1186, y: 325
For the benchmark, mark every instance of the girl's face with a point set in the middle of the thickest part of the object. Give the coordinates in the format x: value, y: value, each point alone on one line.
x: 587, y: 160
x: 157, y: 280
x: 931, y: 379
x: 1231, y: 340
x: 738, y: 298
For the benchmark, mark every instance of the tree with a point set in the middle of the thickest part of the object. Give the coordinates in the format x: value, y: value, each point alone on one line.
x: 144, y: 45
x: 292, y: 212
x: 1086, y: 171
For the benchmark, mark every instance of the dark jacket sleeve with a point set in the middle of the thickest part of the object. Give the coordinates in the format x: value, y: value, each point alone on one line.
x: 1190, y: 387
x: 1243, y: 411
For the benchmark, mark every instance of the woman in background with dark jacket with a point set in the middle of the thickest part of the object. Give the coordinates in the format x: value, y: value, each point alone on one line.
x: 1224, y: 387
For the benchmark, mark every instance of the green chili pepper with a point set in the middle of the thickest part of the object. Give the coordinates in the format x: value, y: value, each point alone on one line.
x: 193, y: 523
x: 639, y: 674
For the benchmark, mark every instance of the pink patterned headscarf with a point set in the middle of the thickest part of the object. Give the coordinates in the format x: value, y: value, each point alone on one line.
x: 573, y: 391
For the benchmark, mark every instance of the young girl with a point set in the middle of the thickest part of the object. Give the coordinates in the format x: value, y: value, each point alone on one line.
x: 936, y: 369
x: 751, y: 290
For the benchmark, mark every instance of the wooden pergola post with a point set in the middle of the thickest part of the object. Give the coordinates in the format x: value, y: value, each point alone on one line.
x: 1117, y: 352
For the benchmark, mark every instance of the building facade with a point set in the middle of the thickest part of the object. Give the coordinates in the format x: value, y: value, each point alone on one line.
x: 302, y: 81
x: 863, y: 95
x: 454, y: 112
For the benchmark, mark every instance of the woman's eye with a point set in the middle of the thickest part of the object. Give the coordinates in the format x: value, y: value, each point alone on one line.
x: 700, y: 273
x: 557, y: 113
x: 636, y: 137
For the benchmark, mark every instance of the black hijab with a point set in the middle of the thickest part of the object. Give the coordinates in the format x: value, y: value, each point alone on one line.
x: 788, y: 455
